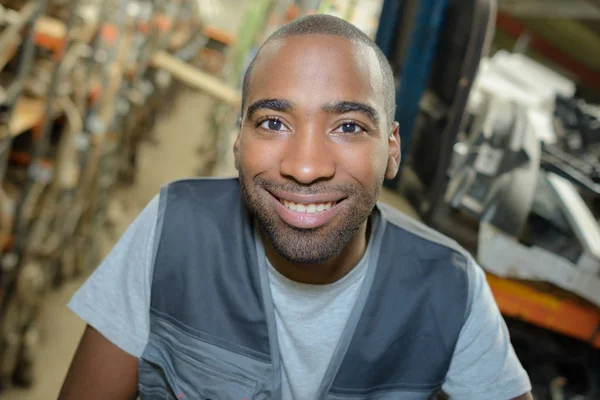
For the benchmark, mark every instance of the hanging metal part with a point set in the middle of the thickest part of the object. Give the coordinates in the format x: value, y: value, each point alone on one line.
x: 25, y: 62
x: 44, y: 238
x: 10, y: 35
x: 39, y: 171
x: 99, y: 123
x: 29, y: 15
x: 77, y: 161
x: 140, y: 117
x: 147, y: 47
x: 145, y: 95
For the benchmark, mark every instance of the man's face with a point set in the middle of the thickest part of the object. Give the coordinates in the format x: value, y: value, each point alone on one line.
x: 314, y: 145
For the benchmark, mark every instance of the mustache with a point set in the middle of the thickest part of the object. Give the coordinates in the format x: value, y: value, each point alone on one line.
x: 318, y: 187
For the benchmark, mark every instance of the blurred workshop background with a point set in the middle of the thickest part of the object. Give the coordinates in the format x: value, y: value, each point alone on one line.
x: 103, y: 101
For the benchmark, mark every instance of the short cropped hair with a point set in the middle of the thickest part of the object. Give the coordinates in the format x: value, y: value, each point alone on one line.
x: 321, y: 24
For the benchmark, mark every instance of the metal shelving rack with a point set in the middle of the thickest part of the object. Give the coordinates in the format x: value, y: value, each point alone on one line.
x: 62, y: 130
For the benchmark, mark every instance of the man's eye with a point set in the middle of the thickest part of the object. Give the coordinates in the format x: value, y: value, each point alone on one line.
x: 349, y: 128
x: 273, y: 124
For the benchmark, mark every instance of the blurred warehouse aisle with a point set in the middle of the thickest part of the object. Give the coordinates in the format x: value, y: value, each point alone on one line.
x: 173, y: 156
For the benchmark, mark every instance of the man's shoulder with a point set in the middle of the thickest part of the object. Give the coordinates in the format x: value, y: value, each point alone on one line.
x: 428, y: 240
x: 202, y: 183
x: 200, y: 189
x: 210, y: 203
x: 441, y: 256
x: 434, y: 261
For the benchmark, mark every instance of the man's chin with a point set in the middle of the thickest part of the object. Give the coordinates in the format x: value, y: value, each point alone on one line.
x: 304, y: 256
x: 306, y: 246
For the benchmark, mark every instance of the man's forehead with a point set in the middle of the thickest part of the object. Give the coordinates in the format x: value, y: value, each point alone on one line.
x: 315, y: 58
x: 355, y: 50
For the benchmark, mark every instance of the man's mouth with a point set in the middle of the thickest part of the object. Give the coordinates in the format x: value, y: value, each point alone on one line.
x: 307, y: 211
x: 311, y: 208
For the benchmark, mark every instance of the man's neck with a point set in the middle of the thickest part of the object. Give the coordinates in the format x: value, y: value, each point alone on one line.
x: 327, y: 272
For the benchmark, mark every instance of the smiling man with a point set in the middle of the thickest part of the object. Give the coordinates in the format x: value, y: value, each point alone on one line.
x: 291, y: 282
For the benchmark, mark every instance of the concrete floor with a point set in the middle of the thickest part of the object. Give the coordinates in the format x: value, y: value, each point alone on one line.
x: 172, y: 158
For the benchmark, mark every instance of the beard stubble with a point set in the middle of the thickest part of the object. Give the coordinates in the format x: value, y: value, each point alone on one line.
x: 308, y: 246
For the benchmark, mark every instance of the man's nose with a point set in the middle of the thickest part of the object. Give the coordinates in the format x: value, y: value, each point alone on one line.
x: 308, y: 158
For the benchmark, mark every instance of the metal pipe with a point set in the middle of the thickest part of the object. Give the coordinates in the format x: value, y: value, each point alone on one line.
x: 28, y: 12
x: 41, y: 148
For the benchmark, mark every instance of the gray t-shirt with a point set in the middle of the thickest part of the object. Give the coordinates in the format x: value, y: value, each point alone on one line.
x: 115, y: 300
x: 310, y: 320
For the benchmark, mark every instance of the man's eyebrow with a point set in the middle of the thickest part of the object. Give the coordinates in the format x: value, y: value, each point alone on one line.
x: 271, y: 104
x: 342, y: 107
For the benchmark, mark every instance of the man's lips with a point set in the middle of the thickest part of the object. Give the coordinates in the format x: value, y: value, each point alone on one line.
x: 307, y: 211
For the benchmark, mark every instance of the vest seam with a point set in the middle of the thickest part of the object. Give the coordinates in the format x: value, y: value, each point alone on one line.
x: 438, y: 327
x: 387, y: 388
x: 154, y: 312
x: 268, y: 310
x: 162, y: 209
x: 158, y: 228
x: 470, y: 289
x: 364, y: 295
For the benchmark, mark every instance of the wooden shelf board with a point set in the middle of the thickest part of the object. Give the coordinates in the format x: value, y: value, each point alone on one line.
x: 196, y: 78
x: 218, y: 35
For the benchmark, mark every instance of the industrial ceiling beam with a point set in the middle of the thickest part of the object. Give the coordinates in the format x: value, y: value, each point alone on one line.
x: 572, y: 9
x: 515, y: 28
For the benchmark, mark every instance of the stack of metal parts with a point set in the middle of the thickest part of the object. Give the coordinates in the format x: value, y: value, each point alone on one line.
x: 576, y: 154
x: 533, y: 223
x: 77, y: 96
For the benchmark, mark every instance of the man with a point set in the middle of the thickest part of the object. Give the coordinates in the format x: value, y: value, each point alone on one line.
x: 291, y: 282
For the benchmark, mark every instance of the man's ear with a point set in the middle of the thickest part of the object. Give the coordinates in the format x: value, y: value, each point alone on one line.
x: 236, y: 151
x: 393, y: 152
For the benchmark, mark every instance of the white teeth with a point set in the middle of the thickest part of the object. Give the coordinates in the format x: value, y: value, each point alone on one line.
x: 290, y: 205
x: 307, y: 208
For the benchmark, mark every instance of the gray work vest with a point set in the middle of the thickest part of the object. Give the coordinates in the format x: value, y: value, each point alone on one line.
x: 212, y: 324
